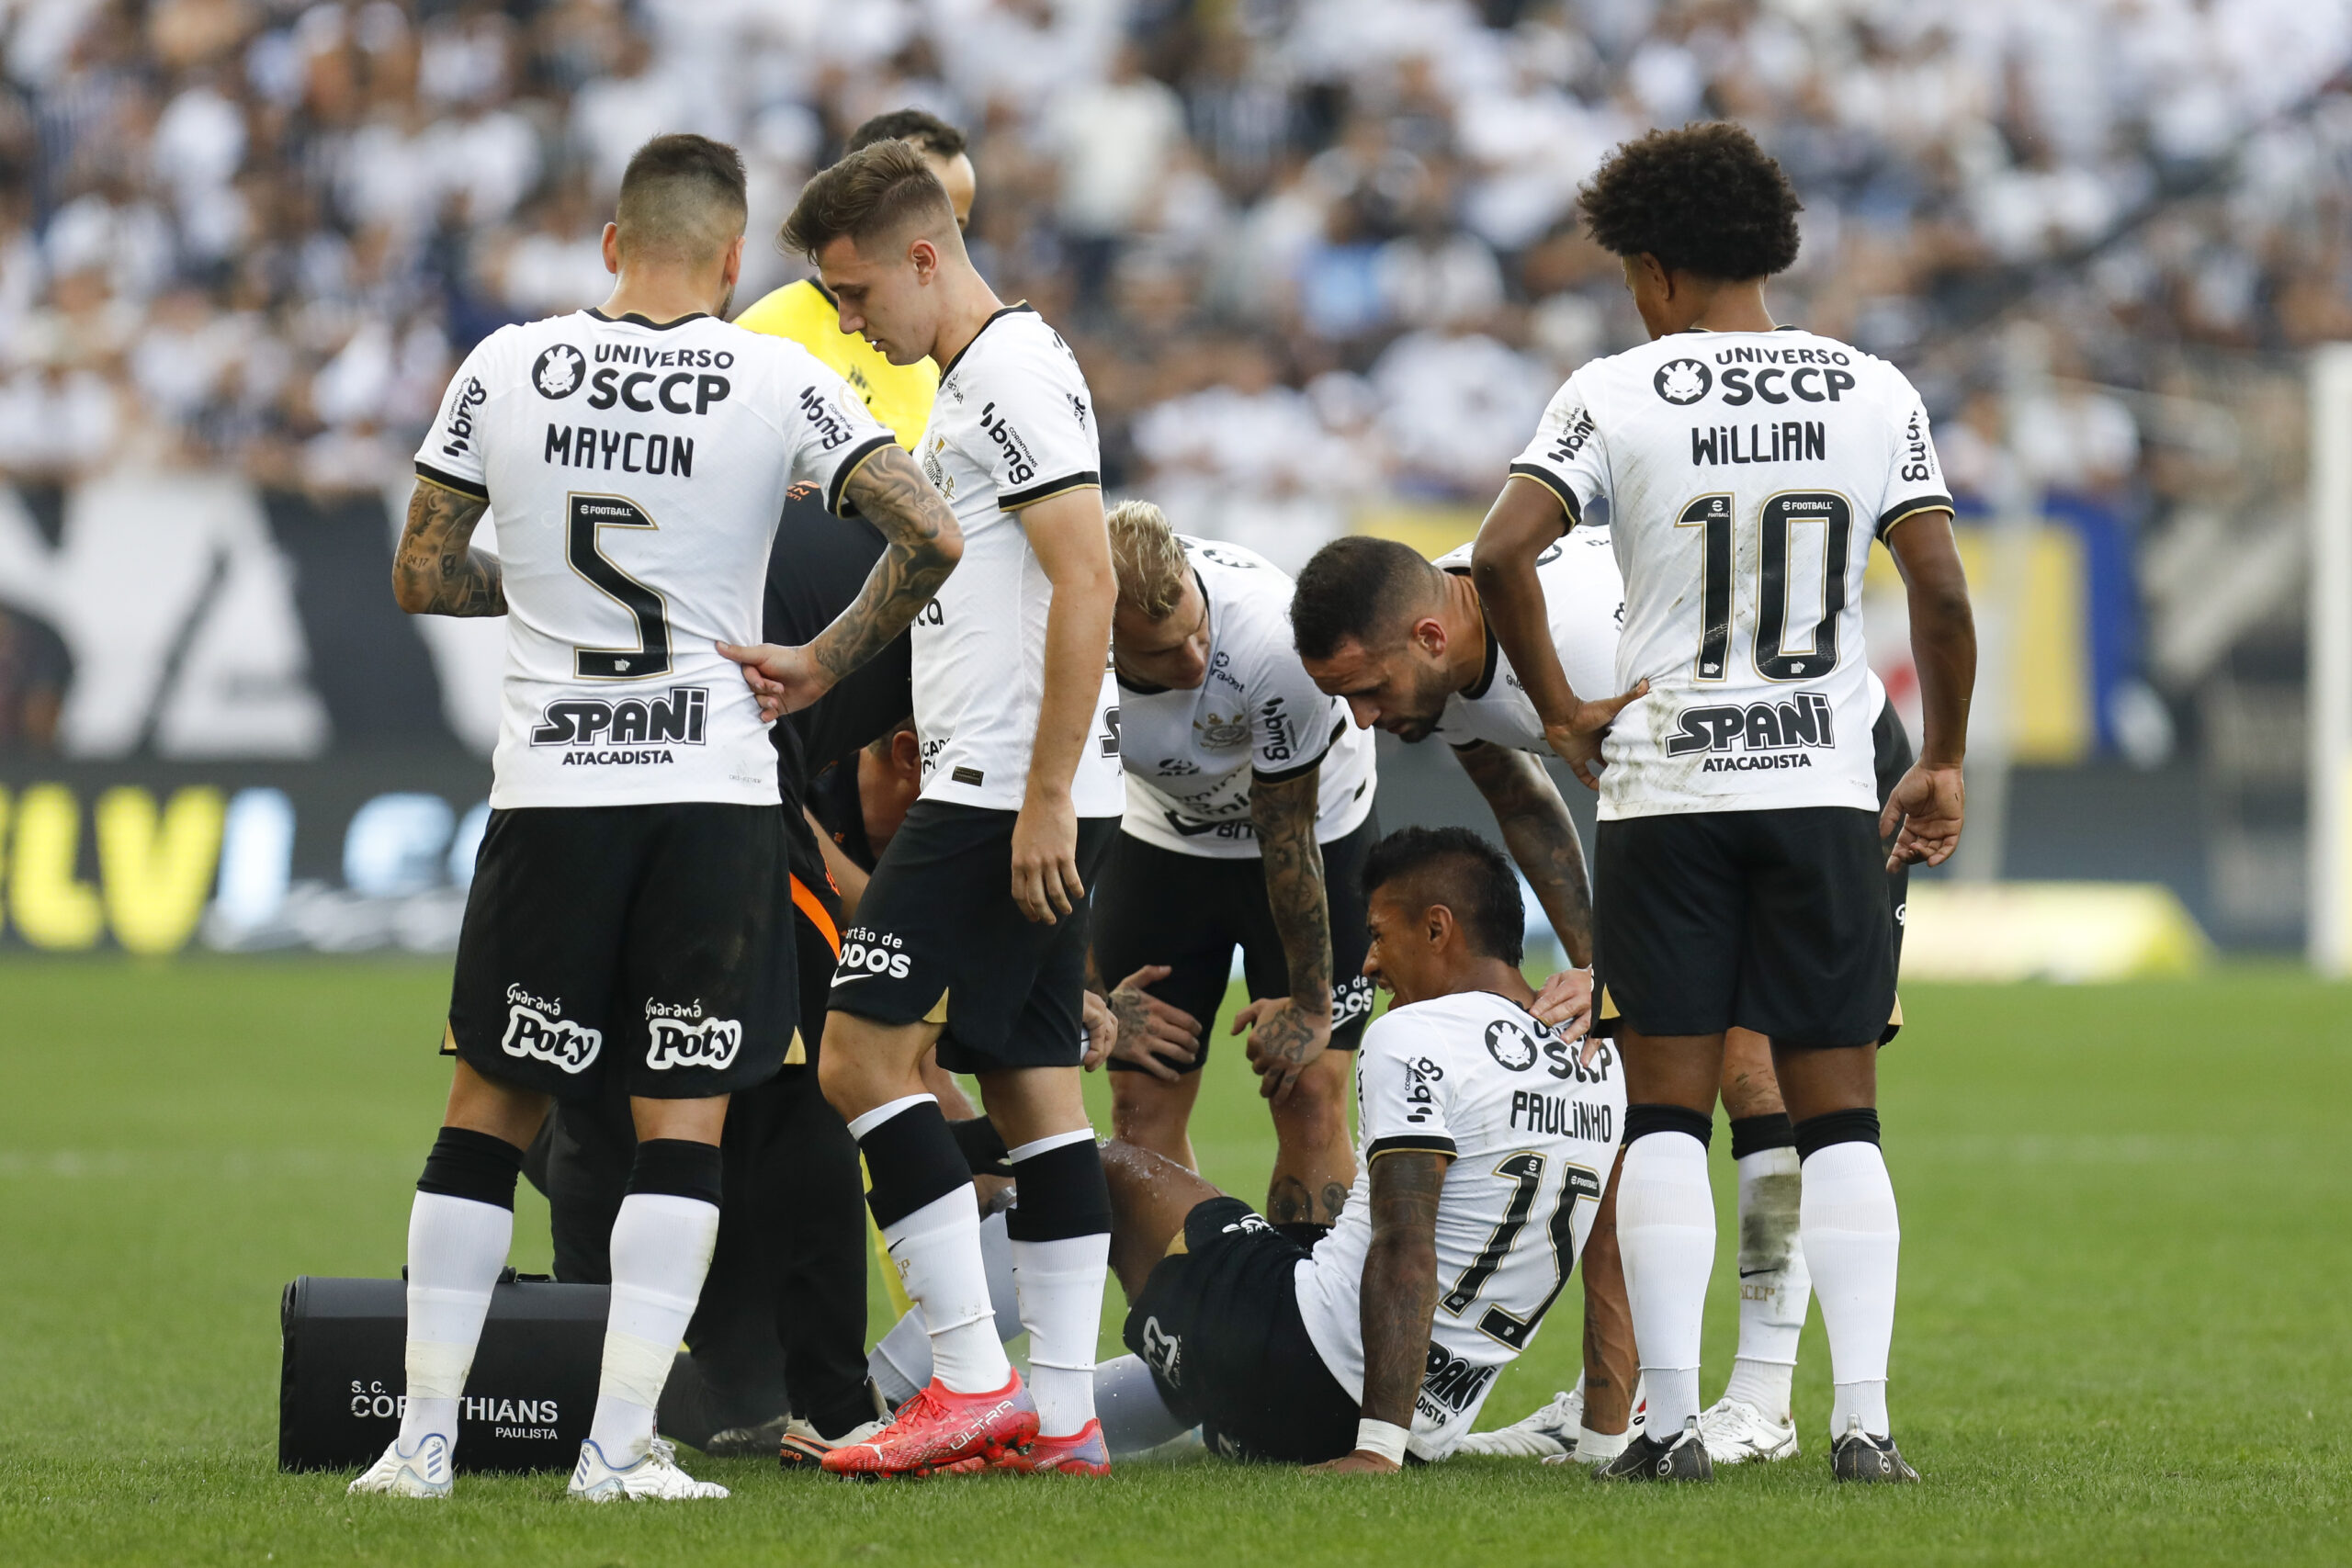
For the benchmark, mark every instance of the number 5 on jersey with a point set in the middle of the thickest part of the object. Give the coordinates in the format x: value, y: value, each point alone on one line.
x: 588, y: 515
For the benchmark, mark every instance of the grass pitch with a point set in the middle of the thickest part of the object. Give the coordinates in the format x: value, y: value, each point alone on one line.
x: 2125, y: 1333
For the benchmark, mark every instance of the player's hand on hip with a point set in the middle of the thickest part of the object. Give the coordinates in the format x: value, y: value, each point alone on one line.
x: 1928, y: 804
x: 1577, y: 740
x: 1156, y: 1036
x: 1356, y: 1464
x: 1284, y: 1038
x: 1045, y: 882
x: 1101, y: 1027
x: 784, y: 680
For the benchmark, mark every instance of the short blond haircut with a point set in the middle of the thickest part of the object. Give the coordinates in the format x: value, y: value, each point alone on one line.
x: 1148, y: 560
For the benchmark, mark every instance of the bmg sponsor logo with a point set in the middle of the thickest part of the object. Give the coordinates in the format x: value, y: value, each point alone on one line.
x: 538, y: 1030
x: 681, y: 1037
x: 1745, y: 738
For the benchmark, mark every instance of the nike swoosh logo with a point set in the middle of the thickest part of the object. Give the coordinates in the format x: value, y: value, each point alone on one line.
x: 1745, y: 1273
x: 840, y: 980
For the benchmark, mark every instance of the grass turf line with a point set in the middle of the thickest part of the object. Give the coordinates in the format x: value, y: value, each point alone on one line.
x: 2123, y: 1333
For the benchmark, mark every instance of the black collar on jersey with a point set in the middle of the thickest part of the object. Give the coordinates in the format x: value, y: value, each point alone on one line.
x: 1494, y: 648
x: 1145, y: 688
x: 633, y: 318
x: 999, y: 313
x: 1777, y: 327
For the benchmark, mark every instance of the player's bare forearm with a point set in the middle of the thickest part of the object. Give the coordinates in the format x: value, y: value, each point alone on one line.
x: 1943, y: 631
x: 1283, y: 814
x: 436, y: 571
x: 1541, y: 836
x: 848, y: 877
x: 1400, y: 1281
x: 1074, y: 549
x: 1525, y: 520
x: 925, y: 546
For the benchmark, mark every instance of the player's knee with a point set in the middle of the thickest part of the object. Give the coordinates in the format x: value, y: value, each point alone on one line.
x: 1317, y: 1110
x: 1144, y: 1110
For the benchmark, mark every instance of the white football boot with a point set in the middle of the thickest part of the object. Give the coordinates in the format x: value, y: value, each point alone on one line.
x: 656, y: 1478
x: 1550, y: 1432
x: 1735, y: 1432
x: 424, y: 1473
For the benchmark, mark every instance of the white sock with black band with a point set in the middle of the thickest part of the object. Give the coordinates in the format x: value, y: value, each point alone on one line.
x: 662, y: 1239
x: 1853, y: 1243
x: 1060, y: 1226
x: 1775, y: 1287
x: 460, y: 1225
x: 923, y: 1200
x: 1666, y: 1229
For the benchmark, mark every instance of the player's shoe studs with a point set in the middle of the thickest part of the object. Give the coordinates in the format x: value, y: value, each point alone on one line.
x: 424, y: 1473
x: 1549, y: 1433
x: 803, y: 1448
x: 1646, y: 1459
x: 1858, y: 1456
x: 655, y: 1478
x: 938, y: 1427
x: 1082, y: 1452
x: 1735, y: 1432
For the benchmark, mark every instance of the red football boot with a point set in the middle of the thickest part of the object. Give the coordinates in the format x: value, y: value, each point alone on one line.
x: 1081, y: 1452
x: 937, y: 1430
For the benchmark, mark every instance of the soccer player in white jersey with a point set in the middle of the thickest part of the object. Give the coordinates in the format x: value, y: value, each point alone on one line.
x: 1485, y: 1139
x: 623, y: 918
x: 1738, y: 866
x: 973, y: 931
x: 1250, y: 811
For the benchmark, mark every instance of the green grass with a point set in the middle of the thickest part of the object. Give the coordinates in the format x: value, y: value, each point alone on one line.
x: 2125, y: 1333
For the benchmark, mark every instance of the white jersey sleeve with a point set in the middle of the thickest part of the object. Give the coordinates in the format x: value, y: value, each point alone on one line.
x: 1567, y: 457
x: 1914, y: 475
x: 451, y: 454
x: 1584, y: 606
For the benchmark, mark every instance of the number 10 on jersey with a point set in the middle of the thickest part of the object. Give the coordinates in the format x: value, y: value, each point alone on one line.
x: 1778, y: 564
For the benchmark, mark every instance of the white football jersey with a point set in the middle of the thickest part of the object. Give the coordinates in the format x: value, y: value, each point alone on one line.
x: 1014, y: 424
x: 1584, y: 603
x: 635, y: 474
x: 1746, y: 474
x: 1191, y: 756
x: 1532, y: 1133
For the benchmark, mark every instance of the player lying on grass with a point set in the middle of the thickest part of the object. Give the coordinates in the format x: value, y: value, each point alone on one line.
x: 623, y: 918
x: 1250, y: 811
x: 1484, y: 1141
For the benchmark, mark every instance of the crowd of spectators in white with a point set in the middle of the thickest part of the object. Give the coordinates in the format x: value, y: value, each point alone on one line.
x: 1316, y: 255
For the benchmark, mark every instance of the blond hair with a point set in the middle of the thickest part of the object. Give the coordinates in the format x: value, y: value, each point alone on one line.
x: 1148, y: 560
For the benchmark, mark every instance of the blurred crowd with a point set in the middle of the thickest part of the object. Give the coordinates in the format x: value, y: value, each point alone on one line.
x: 1316, y: 255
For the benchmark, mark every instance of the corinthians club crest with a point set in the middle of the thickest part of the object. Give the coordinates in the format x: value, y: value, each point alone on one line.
x: 559, y: 371
x: 1682, y: 381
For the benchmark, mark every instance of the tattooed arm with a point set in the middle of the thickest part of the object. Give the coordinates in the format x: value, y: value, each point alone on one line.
x: 1287, y: 1032
x: 1400, y: 1291
x: 1541, y: 836
x: 436, y: 571
x: 925, y: 546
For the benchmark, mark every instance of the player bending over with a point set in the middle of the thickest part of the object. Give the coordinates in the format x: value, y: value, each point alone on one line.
x: 624, y: 916
x: 1740, y: 872
x: 975, y: 921
x: 1484, y: 1142
x: 1250, y: 811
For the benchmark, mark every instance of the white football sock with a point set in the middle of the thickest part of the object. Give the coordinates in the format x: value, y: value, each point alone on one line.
x: 900, y: 1363
x: 937, y: 1249
x: 1852, y: 1243
x: 660, y: 1251
x: 455, y: 1247
x: 1060, y: 1284
x: 1135, y: 1418
x: 1666, y: 1229
x: 1774, y: 1286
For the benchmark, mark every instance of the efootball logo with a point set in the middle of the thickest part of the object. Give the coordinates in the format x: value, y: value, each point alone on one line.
x: 1683, y: 381
x: 559, y: 371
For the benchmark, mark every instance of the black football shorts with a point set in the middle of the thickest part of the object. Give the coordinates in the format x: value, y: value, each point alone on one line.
x: 654, y: 941
x: 1189, y: 912
x: 938, y: 938
x: 1218, y: 1325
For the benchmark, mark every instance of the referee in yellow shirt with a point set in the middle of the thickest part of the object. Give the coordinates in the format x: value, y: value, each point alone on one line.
x: 897, y: 395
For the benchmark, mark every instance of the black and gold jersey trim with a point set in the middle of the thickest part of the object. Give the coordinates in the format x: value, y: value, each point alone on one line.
x: 1015, y: 499
x: 633, y: 318
x: 1912, y: 508
x: 466, y: 488
x: 837, y: 499
x: 1410, y: 1143
x: 1017, y: 307
x: 1551, y: 481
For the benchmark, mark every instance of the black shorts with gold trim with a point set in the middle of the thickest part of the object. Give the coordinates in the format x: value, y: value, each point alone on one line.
x: 938, y: 938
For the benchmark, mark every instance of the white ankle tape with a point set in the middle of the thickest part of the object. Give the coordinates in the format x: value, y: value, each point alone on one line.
x: 635, y: 1368
x: 437, y: 1371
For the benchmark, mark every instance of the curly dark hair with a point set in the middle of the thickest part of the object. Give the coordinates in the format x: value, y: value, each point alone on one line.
x: 1705, y: 198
